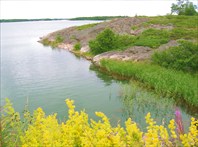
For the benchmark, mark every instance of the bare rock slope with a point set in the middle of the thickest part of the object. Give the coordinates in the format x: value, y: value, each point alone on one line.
x: 73, y: 35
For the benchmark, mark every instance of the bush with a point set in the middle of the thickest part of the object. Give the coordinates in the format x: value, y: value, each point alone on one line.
x: 124, y: 41
x: 77, y: 46
x: 107, y: 40
x: 183, y: 33
x: 183, y: 57
x: 79, y: 131
x: 152, y: 38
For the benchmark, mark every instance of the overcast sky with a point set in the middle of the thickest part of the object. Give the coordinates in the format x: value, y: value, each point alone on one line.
x: 68, y: 9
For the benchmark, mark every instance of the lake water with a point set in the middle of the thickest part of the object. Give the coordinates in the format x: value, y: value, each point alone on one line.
x: 45, y: 77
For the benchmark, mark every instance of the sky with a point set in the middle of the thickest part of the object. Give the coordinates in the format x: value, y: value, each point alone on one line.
x: 28, y: 9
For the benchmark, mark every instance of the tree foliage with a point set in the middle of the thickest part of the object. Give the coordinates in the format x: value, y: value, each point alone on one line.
x: 184, y: 7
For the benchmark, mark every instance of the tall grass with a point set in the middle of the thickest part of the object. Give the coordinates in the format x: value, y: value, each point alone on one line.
x: 166, y: 82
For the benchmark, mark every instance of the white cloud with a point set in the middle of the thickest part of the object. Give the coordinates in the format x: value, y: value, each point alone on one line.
x: 68, y: 9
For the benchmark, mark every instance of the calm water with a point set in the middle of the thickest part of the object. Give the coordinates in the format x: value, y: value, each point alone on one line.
x: 45, y: 77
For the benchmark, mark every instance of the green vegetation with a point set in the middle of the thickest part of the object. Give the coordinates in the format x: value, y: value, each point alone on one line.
x: 166, y: 82
x: 59, y: 39
x: 107, y: 40
x: 97, y: 18
x: 87, y: 26
x: 77, y: 46
x: 152, y: 38
x: 184, y: 27
x: 184, y: 7
x: 176, y: 21
x: 183, y: 33
x: 22, y: 20
x: 183, y: 57
x: 134, y: 27
x: 178, y: 27
x: 40, y: 130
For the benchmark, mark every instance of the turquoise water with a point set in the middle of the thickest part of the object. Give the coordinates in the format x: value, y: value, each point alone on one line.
x: 44, y: 77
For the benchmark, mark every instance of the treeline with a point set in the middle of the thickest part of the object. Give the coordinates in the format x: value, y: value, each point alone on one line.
x: 50, y: 19
x: 97, y: 18
x: 22, y: 20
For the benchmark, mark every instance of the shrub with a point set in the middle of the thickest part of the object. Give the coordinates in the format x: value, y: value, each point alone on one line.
x: 107, y: 40
x: 77, y: 46
x: 152, y: 38
x: 124, y: 41
x: 183, y: 57
x: 78, y: 130
x: 183, y: 33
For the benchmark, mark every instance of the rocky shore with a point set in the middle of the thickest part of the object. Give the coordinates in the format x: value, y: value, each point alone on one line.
x: 73, y: 35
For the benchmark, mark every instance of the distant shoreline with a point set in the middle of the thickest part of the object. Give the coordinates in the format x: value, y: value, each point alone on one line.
x: 24, y: 20
x: 52, y: 19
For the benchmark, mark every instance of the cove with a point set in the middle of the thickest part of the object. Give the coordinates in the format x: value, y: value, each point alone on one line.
x: 43, y: 77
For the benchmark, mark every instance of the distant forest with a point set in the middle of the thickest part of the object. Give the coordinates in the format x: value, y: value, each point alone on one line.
x: 97, y: 18
x: 22, y: 20
x: 77, y: 18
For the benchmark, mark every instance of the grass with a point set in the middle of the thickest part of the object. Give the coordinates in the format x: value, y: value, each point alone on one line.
x: 77, y: 46
x: 59, y: 39
x: 152, y: 38
x: 185, y: 27
x: 138, y: 100
x: 183, y: 33
x: 177, y: 21
x: 166, y: 82
x: 87, y: 26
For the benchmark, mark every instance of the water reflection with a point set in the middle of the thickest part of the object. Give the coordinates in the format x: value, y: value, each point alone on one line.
x: 107, y: 79
x: 137, y: 102
x: 47, y: 77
